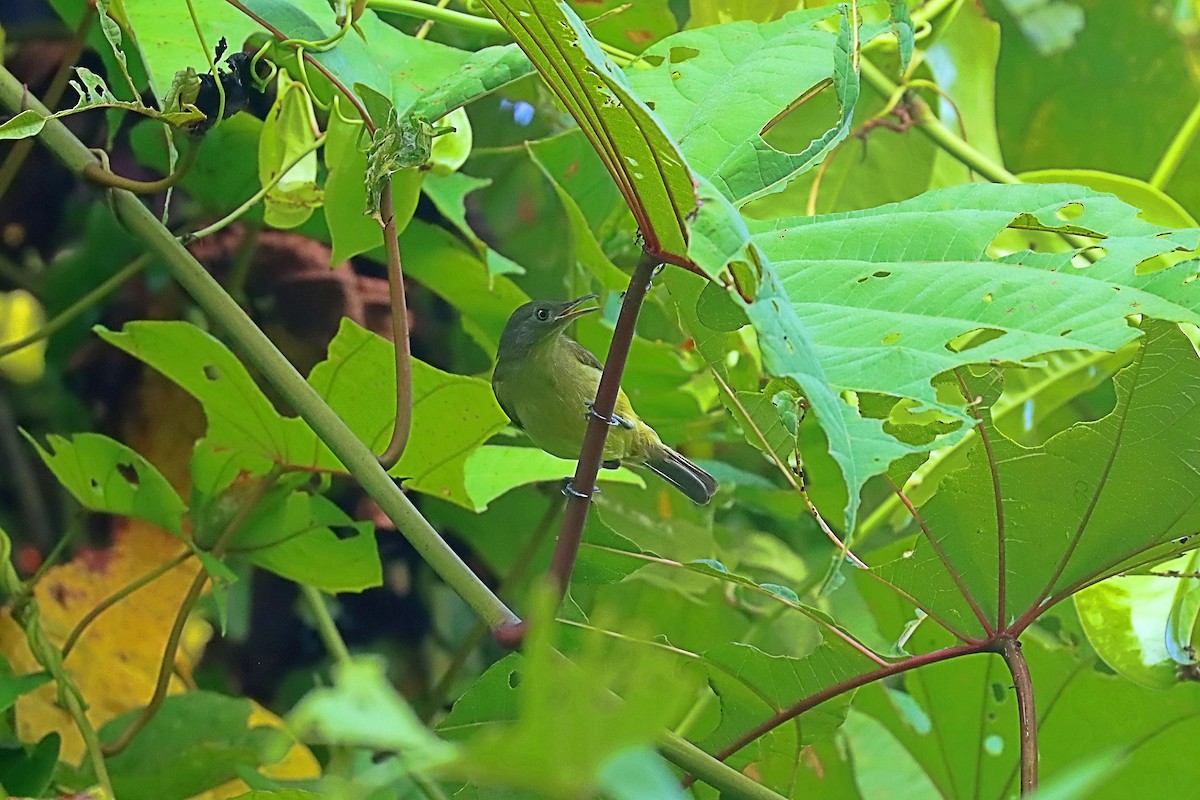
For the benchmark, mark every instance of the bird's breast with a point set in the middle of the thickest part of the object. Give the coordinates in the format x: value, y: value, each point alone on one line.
x: 550, y: 398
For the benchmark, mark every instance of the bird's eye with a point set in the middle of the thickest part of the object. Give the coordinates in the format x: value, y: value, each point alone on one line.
x: 543, y: 314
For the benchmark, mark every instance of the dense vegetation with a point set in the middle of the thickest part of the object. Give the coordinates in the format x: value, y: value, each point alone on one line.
x: 914, y: 281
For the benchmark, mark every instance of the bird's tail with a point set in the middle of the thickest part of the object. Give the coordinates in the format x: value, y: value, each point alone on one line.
x: 685, y: 476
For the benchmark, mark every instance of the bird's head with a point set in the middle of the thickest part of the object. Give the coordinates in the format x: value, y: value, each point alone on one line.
x: 540, y: 321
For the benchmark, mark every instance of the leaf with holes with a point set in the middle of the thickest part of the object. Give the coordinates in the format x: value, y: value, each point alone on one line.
x: 707, y: 86
x: 306, y: 538
x: 452, y: 414
x: 107, y: 476
x: 883, y: 300
x: 1022, y: 528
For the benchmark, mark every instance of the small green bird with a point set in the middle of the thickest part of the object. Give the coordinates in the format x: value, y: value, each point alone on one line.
x: 546, y: 382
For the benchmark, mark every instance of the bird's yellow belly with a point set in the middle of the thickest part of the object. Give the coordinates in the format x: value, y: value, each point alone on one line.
x: 553, y: 408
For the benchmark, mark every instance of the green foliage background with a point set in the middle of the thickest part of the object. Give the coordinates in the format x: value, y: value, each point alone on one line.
x: 928, y: 289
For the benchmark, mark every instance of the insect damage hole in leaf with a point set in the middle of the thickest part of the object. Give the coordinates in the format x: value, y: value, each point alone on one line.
x: 1088, y: 256
x: 130, y: 474
x: 973, y: 338
x: 792, y: 133
x: 682, y: 53
x: 1071, y: 211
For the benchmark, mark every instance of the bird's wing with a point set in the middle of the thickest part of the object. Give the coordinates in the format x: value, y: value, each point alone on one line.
x: 512, y: 415
x: 497, y: 389
x: 583, y: 355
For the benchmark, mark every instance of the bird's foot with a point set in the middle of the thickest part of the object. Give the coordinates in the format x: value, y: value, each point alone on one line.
x: 612, y: 463
x: 614, y: 420
x: 570, y: 491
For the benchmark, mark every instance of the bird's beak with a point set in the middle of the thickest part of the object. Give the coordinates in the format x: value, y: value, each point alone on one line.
x: 572, y: 309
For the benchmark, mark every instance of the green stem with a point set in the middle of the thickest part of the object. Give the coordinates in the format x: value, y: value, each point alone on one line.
x: 232, y: 216
x: 1184, y: 138
x: 932, y: 127
x: 694, y: 761
x: 212, y: 64
x: 263, y: 355
x: 117, y: 596
x: 326, y: 627
x: 66, y: 316
x: 470, y: 22
x: 98, y: 172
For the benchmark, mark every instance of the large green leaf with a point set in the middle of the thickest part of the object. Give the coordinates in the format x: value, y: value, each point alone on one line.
x: 874, y: 300
x: 363, y: 709
x: 958, y: 719
x: 604, y: 700
x: 753, y: 686
x: 452, y: 414
x: 1075, y: 509
x: 306, y: 538
x: 710, y: 87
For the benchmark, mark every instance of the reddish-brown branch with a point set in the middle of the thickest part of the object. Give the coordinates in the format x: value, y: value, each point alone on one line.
x: 830, y: 692
x: 399, y: 315
x: 1001, y: 554
x: 941, y: 554
x: 1010, y: 648
x: 570, y: 532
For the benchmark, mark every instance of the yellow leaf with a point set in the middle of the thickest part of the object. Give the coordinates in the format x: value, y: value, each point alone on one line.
x: 20, y: 315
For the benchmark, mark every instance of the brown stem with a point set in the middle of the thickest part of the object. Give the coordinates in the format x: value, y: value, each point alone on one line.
x: 404, y: 401
x: 571, y: 531
x: 579, y: 499
x: 830, y: 692
x: 125, y: 591
x: 1010, y: 648
x: 941, y: 554
x: 167, y: 666
x: 1001, y: 550
x: 98, y: 173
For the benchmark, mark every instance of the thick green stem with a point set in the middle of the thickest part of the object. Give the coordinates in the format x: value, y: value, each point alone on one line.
x: 258, y: 349
x: 1184, y: 138
x: 326, y: 627
x: 928, y: 123
x: 700, y: 765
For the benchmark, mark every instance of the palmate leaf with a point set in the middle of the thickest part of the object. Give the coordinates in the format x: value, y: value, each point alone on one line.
x: 696, y: 79
x: 958, y: 721
x: 1093, y: 500
x: 452, y: 414
x: 877, y: 300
